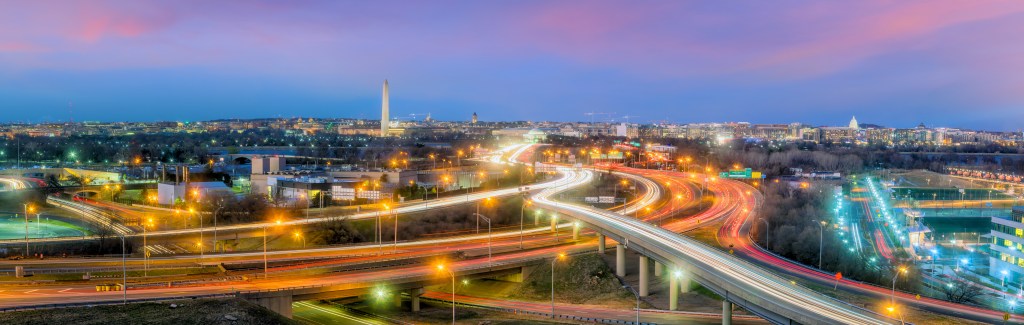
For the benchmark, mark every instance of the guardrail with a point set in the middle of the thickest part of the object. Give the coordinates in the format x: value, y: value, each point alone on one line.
x: 518, y: 311
x: 114, y: 302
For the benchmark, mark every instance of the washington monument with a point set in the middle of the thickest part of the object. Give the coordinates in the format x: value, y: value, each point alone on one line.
x: 385, y: 121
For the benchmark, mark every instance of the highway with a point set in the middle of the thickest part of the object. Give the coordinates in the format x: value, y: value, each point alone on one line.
x: 736, y: 232
x: 716, y: 268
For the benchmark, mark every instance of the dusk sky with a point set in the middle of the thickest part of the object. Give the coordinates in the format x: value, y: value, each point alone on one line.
x: 895, y: 63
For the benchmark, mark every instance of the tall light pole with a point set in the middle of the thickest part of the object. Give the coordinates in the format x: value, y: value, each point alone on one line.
x: 487, y: 200
x: 902, y: 269
x: 522, y: 207
x: 28, y: 209
x: 124, y: 272
x: 216, y: 213
x: 265, y: 269
x: 145, y: 247
x: 298, y: 235
x: 821, y: 239
x: 478, y: 217
x: 560, y: 256
x: 394, y: 215
x: 440, y: 267
x: 768, y: 234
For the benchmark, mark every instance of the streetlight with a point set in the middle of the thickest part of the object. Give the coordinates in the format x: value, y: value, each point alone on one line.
x: 124, y: 272
x: 145, y: 247
x: 902, y: 269
x: 522, y: 207
x: 821, y: 239
x: 478, y: 217
x: 28, y: 209
x: 768, y: 233
x: 485, y: 201
x: 440, y: 267
x: 561, y: 256
x: 298, y: 235
x: 265, y: 269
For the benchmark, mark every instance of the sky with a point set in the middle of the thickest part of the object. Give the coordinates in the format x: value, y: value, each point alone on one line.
x: 893, y: 63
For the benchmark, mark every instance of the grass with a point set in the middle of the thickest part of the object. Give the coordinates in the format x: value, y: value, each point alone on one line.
x: 187, y: 312
x: 581, y: 279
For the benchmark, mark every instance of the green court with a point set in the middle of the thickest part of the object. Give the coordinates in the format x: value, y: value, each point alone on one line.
x: 12, y: 227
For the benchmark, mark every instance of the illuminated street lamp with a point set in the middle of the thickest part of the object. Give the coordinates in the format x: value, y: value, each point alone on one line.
x: 28, y: 209
x: 265, y: 269
x: 441, y: 268
x: 478, y: 217
x: 902, y: 269
x: 298, y: 235
x: 561, y: 256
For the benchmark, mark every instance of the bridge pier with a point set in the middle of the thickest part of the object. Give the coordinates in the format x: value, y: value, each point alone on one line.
x: 554, y: 223
x: 726, y: 312
x: 281, y: 303
x: 673, y: 291
x: 657, y: 268
x: 600, y: 243
x: 644, y: 288
x: 620, y: 260
x: 414, y: 297
x: 576, y: 231
x: 398, y: 299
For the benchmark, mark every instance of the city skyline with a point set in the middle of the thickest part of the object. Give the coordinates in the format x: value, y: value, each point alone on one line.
x: 890, y: 63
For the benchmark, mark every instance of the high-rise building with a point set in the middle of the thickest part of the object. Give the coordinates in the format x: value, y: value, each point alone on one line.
x: 385, y: 120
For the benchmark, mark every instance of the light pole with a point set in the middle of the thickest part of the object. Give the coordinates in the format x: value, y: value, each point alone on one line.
x: 487, y: 200
x: 821, y: 239
x: 902, y: 269
x: 478, y: 217
x: 145, y: 247
x: 522, y: 207
x: 265, y: 269
x: 767, y: 232
x: 560, y: 256
x: 394, y: 215
x: 298, y: 235
x: 216, y: 213
x: 440, y: 267
x: 28, y: 209
x: 124, y: 272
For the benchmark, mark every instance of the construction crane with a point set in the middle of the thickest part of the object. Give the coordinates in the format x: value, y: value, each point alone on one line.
x: 591, y: 114
x: 627, y: 117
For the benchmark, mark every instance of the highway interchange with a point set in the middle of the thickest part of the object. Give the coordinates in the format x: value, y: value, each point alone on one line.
x: 735, y: 203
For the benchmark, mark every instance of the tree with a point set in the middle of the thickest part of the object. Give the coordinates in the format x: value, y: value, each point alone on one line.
x: 960, y: 291
x: 334, y: 231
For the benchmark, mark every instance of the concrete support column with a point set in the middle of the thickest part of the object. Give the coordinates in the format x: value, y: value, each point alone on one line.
x: 414, y: 296
x: 673, y: 292
x: 398, y: 299
x: 644, y: 281
x: 726, y: 312
x: 600, y: 243
x: 657, y: 268
x: 554, y: 224
x: 620, y: 260
x: 575, y: 232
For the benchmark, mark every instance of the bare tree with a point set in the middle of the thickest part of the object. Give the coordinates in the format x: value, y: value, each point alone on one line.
x: 960, y: 291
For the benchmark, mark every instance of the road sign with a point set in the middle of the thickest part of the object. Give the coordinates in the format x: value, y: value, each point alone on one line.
x: 606, y: 199
x: 591, y: 199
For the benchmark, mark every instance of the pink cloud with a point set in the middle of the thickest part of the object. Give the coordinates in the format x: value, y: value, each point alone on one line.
x: 880, y: 29
x: 19, y: 47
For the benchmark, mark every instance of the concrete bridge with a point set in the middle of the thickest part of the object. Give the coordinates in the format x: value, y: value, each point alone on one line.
x: 409, y: 282
x: 741, y: 283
